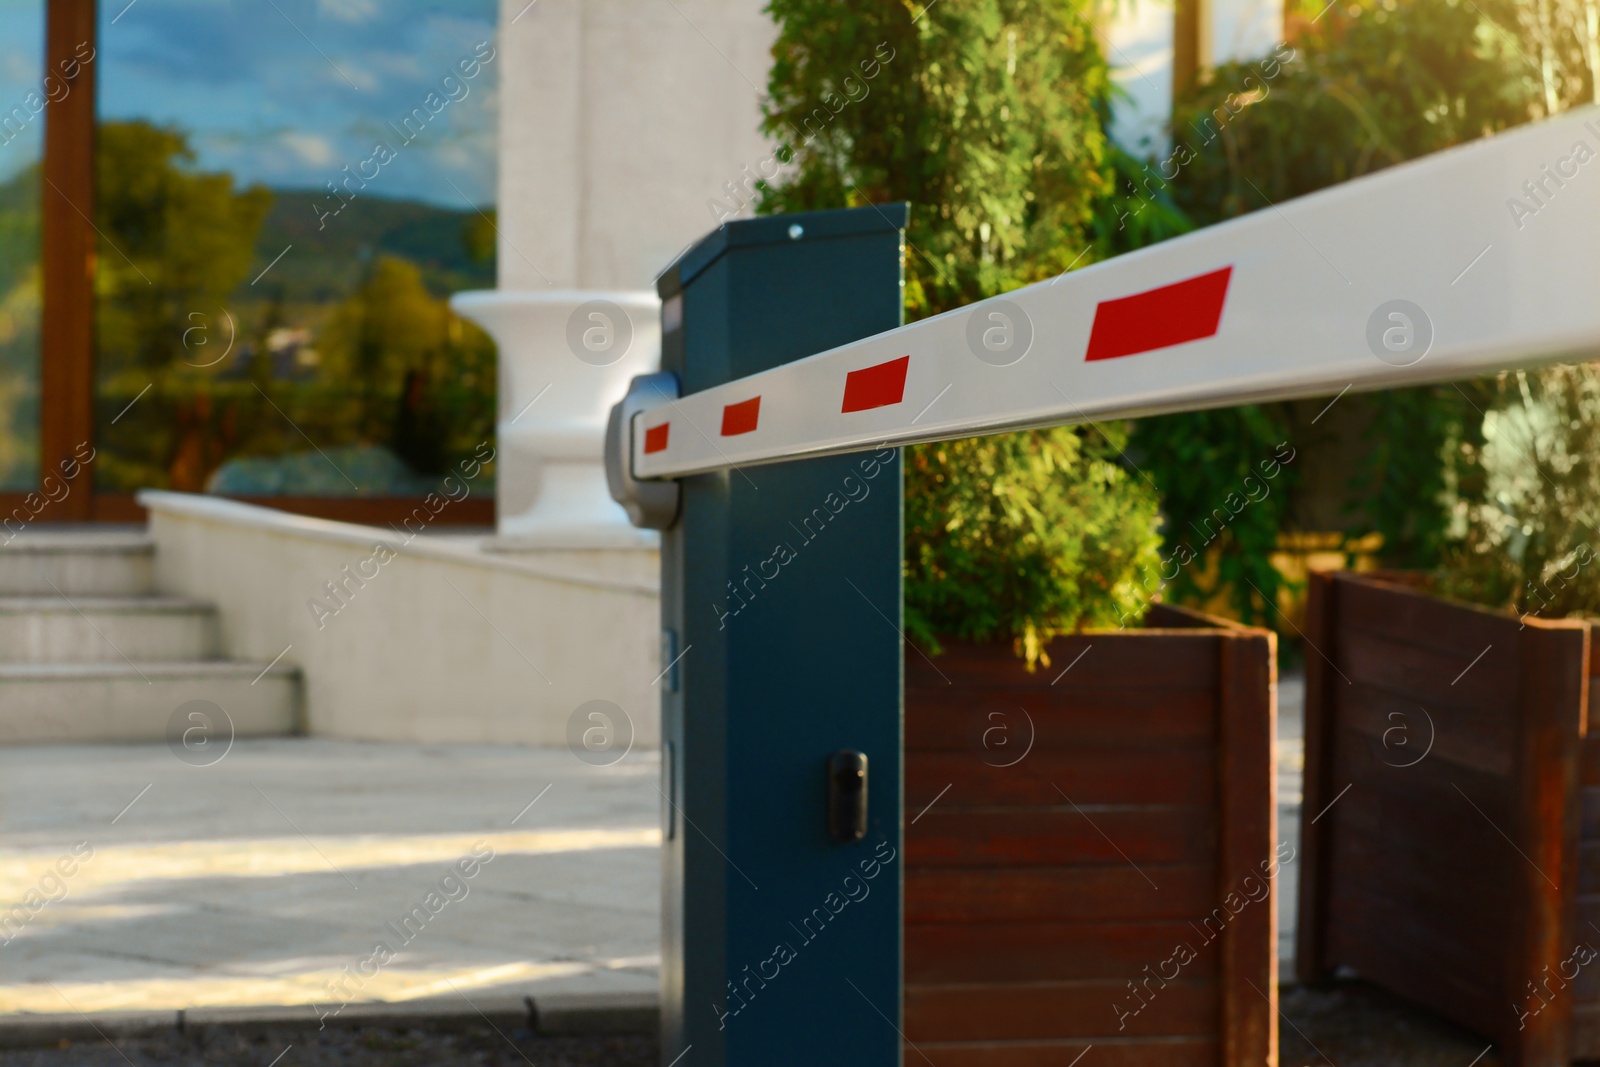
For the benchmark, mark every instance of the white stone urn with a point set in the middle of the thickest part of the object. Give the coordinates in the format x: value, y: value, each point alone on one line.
x: 566, y: 356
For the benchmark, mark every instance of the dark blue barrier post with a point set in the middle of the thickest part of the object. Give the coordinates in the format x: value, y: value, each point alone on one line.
x: 781, y: 606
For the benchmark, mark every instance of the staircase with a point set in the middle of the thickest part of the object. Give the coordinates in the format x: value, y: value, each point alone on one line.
x: 89, y: 651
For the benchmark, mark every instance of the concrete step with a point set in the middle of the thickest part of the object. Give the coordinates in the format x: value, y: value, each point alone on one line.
x: 98, y: 629
x: 102, y: 702
x: 77, y: 563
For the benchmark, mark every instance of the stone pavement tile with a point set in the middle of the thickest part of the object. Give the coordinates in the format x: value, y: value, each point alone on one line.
x: 270, y: 877
x: 1291, y: 773
x: 614, y: 879
x: 55, y: 794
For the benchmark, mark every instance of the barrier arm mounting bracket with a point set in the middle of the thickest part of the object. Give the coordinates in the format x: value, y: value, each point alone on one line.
x: 651, y: 505
x: 1424, y: 272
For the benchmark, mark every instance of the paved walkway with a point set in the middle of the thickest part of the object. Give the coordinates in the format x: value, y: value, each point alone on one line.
x: 1291, y: 776
x: 273, y: 876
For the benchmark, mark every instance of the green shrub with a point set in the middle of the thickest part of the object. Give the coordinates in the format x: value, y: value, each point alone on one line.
x: 983, y: 114
x: 1025, y: 536
x: 986, y: 116
x: 1360, y: 86
x: 1529, y: 544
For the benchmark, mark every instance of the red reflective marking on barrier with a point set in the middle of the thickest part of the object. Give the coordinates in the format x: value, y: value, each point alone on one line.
x: 655, y: 438
x: 876, y: 387
x: 1184, y: 311
x: 741, y: 417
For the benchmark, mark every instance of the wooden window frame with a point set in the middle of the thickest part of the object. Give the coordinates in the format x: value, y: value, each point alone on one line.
x: 67, y: 240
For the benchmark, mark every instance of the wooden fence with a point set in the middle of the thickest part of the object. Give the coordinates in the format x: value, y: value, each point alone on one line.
x: 1091, y: 850
x: 1441, y: 833
x: 1585, y: 1043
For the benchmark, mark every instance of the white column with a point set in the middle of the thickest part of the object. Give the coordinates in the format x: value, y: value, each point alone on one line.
x: 621, y: 121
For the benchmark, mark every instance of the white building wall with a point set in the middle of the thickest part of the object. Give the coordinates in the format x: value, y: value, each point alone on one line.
x: 1137, y: 40
x: 621, y: 119
x: 1245, y: 29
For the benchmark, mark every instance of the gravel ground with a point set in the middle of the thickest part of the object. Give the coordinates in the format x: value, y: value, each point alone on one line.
x: 481, y: 1047
x: 1351, y: 1024
x: 1346, y: 1024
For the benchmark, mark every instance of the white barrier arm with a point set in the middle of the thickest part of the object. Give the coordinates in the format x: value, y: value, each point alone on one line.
x: 1476, y: 259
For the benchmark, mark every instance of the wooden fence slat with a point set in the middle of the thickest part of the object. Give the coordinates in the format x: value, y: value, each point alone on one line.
x: 1586, y: 986
x: 1109, y: 892
x: 1473, y: 677
x: 1416, y: 949
x: 1388, y: 866
x: 1402, y: 727
x: 1586, y: 1029
x: 1056, y: 1010
x: 1061, y: 836
x: 1088, y: 774
x: 1406, y: 613
x: 1588, y: 868
x: 1115, y: 659
x: 1403, y: 959
x: 1318, y: 789
x: 1554, y: 686
x: 1074, y: 717
x: 1426, y: 807
x: 1589, y: 813
x: 938, y: 953
x: 1027, y: 1011
x: 1127, y: 1052
x: 1247, y: 849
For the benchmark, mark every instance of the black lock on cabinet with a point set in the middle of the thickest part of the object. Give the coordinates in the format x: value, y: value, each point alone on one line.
x: 847, y: 796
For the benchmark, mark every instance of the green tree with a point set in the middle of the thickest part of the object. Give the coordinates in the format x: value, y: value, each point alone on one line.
x: 1531, y: 536
x: 983, y: 114
x: 1026, y: 536
x: 1198, y: 459
x: 389, y: 325
x: 1370, y: 84
x: 19, y: 329
x: 392, y: 338
x: 1367, y: 84
x: 479, y: 236
x: 379, y: 359
x: 986, y: 116
x: 174, y: 243
x: 1559, y: 42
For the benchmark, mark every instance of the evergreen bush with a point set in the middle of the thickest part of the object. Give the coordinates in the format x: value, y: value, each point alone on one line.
x: 986, y: 116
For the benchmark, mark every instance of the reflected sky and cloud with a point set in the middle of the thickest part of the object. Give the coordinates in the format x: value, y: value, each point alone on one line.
x: 21, y: 72
x: 286, y: 92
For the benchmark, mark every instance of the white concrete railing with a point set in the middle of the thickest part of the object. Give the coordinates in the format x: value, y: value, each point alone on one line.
x: 423, y: 638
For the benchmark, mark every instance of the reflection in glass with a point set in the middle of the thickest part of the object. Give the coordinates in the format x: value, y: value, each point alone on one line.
x: 287, y: 194
x: 23, y: 100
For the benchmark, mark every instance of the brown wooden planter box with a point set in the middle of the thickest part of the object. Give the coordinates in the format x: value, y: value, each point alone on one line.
x: 1041, y: 889
x: 1452, y: 877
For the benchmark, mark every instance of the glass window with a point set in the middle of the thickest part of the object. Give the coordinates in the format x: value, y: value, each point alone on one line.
x: 288, y: 191
x: 24, y: 96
